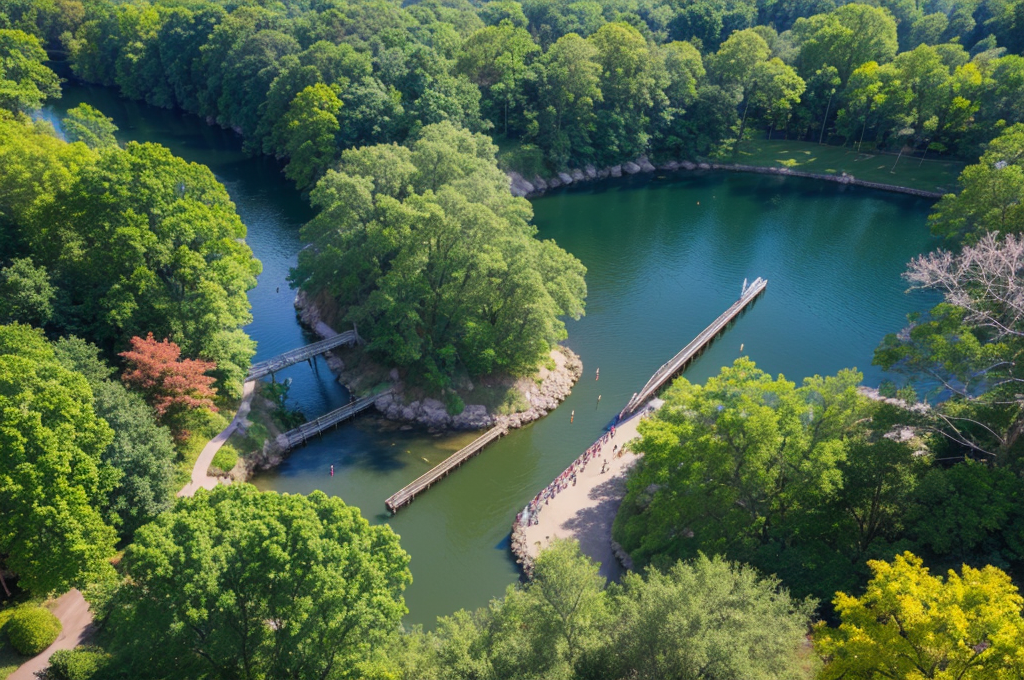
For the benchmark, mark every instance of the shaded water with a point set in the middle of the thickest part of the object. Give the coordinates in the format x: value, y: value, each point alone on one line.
x: 665, y: 255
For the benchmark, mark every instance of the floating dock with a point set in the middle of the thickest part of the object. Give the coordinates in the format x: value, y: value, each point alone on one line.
x: 696, y: 346
x: 294, y: 356
x: 306, y: 431
x: 439, y: 472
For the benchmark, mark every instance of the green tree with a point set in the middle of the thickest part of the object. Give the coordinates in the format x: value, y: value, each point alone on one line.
x: 309, y: 128
x: 141, y: 450
x: 432, y: 257
x: 846, y: 38
x: 568, y: 88
x: 744, y: 466
x: 546, y: 628
x: 991, y: 197
x: 630, y: 89
x: 88, y: 125
x: 912, y: 624
x: 53, y: 482
x: 26, y: 295
x: 136, y: 241
x: 496, y: 58
x: 25, y: 81
x: 707, y: 618
x: 240, y: 583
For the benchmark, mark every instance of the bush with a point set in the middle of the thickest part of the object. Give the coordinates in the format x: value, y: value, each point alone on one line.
x: 80, y: 663
x: 454, y: 404
x: 224, y: 460
x: 30, y: 630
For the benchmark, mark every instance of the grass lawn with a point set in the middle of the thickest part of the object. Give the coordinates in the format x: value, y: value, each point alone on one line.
x: 931, y: 175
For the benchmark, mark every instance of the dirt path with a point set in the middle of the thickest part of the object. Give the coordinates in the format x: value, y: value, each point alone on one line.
x: 73, y: 612
x: 201, y: 478
x: 586, y: 511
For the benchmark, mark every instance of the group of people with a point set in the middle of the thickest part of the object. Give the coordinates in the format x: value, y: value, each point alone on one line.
x: 530, y: 513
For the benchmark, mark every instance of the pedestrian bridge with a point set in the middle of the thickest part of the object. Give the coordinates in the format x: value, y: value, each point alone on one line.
x: 294, y: 356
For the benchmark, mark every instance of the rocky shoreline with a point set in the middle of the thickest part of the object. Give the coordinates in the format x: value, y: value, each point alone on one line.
x: 554, y: 386
x: 537, y: 186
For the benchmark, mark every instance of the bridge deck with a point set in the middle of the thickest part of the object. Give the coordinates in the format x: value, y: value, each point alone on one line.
x: 304, y: 432
x: 425, y: 481
x: 663, y: 374
x: 294, y: 356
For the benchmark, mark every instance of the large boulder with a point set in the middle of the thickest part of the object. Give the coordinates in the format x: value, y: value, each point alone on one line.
x: 473, y: 417
x: 616, y: 171
x: 577, y: 175
x: 630, y: 167
x: 645, y: 164
x: 519, y: 186
x: 590, y: 171
x: 565, y: 177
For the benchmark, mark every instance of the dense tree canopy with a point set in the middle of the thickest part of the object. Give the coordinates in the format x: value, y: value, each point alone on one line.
x: 134, y: 240
x: 25, y: 82
x: 707, y: 618
x: 551, y: 76
x: 790, y: 479
x: 141, y: 450
x: 425, y: 249
x: 53, y: 481
x: 237, y: 583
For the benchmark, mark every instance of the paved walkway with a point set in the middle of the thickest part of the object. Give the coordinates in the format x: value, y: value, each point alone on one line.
x: 201, y: 478
x: 586, y: 511
x: 74, y: 615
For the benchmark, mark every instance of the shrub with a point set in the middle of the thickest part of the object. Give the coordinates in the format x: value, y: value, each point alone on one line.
x: 81, y: 663
x: 454, y: 404
x: 224, y: 460
x: 31, y: 630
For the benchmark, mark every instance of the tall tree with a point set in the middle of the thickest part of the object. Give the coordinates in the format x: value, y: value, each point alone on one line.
x: 846, y: 38
x: 53, y: 483
x: 309, y: 129
x: 245, y: 584
x: 425, y: 248
x: 25, y: 81
x: 497, y: 58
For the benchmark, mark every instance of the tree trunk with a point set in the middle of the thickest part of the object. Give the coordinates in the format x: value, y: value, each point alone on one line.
x: 743, y: 126
x: 3, y: 583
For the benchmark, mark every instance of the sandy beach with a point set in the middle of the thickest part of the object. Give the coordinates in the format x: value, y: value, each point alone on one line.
x: 585, y: 511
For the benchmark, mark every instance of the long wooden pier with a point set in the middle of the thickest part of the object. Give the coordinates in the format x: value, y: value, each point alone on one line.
x: 294, y: 356
x: 676, y: 363
x: 306, y: 431
x: 438, y: 472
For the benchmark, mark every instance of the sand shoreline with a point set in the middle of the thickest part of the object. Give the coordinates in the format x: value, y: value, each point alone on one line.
x: 584, y: 511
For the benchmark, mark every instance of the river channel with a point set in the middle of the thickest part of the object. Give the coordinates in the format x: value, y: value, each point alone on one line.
x: 665, y: 254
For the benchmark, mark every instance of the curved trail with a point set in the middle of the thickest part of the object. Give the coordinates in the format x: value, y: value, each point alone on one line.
x: 201, y: 478
x: 76, y: 619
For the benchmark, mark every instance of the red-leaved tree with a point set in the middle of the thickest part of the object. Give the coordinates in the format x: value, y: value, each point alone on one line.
x: 173, y: 386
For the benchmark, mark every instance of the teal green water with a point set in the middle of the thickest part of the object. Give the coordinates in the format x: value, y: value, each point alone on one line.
x: 665, y: 255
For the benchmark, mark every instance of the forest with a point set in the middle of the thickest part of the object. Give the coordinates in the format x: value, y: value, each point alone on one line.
x: 779, y: 529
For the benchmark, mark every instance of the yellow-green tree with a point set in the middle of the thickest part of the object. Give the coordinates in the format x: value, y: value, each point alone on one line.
x: 912, y: 625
